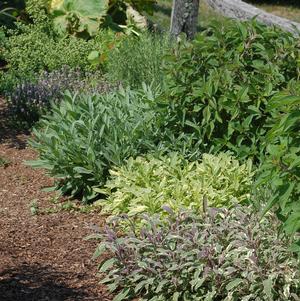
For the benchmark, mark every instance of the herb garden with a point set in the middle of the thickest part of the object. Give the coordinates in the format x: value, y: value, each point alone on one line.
x: 139, y: 165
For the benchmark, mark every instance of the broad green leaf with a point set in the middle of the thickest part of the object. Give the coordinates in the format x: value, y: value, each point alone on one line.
x: 123, y: 295
x: 106, y: 265
x: 233, y: 284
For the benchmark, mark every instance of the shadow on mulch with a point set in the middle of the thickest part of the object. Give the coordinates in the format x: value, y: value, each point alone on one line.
x: 11, y: 131
x: 38, y: 283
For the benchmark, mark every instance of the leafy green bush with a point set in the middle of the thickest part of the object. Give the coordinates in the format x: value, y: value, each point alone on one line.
x: 34, y: 48
x: 139, y: 59
x: 281, y: 168
x: 223, y: 255
x: 219, y: 86
x: 85, y: 135
x: 84, y: 17
x: 146, y: 184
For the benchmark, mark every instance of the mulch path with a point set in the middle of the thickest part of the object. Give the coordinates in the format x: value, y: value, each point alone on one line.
x: 42, y: 257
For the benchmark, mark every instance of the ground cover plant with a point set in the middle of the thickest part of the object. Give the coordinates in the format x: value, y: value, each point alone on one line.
x: 222, y: 255
x: 145, y: 184
x: 35, y: 50
x: 85, y: 135
x: 218, y: 87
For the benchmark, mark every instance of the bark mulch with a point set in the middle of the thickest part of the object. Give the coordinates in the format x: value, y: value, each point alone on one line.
x: 42, y: 257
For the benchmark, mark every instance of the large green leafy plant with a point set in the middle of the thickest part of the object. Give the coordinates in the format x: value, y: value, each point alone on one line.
x: 86, y: 134
x: 84, y: 17
x: 281, y: 168
x: 78, y: 16
x: 219, y: 86
x: 146, y: 184
x: 222, y: 255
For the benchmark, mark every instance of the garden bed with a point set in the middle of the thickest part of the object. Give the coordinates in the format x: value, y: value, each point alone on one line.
x: 44, y: 256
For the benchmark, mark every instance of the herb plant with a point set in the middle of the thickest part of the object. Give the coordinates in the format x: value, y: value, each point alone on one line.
x: 139, y: 60
x: 222, y: 255
x: 85, y: 135
x: 145, y: 184
x: 29, y: 100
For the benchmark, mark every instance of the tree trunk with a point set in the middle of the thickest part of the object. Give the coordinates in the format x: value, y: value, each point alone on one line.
x: 240, y: 10
x: 184, y: 17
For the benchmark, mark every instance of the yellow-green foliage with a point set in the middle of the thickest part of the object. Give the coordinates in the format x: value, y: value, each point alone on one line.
x: 147, y: 184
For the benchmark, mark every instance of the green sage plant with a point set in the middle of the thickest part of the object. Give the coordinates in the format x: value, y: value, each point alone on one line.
x: 145, y: 184
x: 221, y: 255
x: 85, y: 135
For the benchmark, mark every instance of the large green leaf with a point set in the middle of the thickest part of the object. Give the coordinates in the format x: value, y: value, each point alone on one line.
x: 78, y: 16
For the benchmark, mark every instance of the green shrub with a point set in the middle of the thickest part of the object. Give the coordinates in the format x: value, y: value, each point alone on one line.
x: 85, y: 135
x: 146, y: 184
x: 34, y: 48
x: 223, y: 255
x: 281, y: 167
x: 139, y: 60
x: 219, y: 86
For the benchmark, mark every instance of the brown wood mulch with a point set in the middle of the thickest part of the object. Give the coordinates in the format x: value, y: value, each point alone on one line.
x: 42, y: 257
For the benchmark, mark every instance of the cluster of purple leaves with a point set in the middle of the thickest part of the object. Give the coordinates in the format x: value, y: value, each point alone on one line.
x: 222, y: 255
x: 32, y: 99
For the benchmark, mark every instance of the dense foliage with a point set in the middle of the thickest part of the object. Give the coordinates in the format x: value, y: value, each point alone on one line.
x: 146, y: 184
x: 84, y: 17
x: 173, y: 151
x: 281, y: 169
x: 85, y: 135
x: 29, y: 100
x: 139, y: 60
x: 219, y: 86
x: 224, y: 255
x: 34, y: 50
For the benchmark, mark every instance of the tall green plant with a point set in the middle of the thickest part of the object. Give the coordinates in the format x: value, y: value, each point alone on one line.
x: 281, y: 168
x: 139, y: 60
x: 220, y: 84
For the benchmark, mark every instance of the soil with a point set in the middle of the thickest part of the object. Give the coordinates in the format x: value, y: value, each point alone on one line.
x: 42, y: 257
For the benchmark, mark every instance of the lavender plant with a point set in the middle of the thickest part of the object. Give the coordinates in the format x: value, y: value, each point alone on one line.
x: 222, y: 255
x: 31, y: 99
